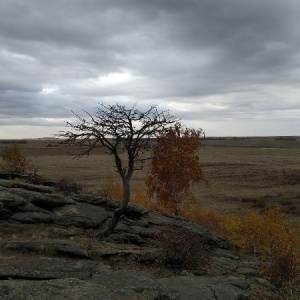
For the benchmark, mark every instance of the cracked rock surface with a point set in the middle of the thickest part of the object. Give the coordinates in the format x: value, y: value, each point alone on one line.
x: 48, y: 251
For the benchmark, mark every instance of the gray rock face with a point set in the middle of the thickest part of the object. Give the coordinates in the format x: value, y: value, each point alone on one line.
x: 26, y: 186
x: 47, y: 268
x: 126, y: 284
x: 4, y: 175
x: 50, y: 247
x: 59, y: 289
x: 206, y: 288
x: 47, y: 251
x: 32, y: 217
x: 9, y: 199
x: 81, y: 215
x: 14, y: 198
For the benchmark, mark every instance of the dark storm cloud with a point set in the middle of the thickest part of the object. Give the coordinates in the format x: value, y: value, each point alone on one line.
x: 205, y: 59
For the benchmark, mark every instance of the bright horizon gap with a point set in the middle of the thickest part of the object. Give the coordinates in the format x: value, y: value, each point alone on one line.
x: 206, y: 137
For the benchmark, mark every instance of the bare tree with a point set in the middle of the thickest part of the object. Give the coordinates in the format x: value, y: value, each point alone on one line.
x: 119, y: 130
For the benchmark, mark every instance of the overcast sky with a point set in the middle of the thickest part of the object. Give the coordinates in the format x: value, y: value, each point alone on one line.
x: 231, y: 67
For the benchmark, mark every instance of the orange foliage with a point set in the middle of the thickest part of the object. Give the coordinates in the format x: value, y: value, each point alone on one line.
x: 266, y: 235
x: 269, y: 237
x: 174, y: 167
x: 139, y: 197
x: 207, y: 218
x: 14, y: 161
x: 154, y: 206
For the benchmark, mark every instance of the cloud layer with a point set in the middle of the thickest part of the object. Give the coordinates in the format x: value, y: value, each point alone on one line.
x: 231, y: 67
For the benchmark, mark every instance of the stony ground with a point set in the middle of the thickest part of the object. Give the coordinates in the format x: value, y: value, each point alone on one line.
x: 48, y: 251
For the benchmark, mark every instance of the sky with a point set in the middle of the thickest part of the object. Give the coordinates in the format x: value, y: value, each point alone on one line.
x: 230, y: 67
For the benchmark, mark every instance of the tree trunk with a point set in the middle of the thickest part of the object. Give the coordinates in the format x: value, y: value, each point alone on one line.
x: 118, y: 212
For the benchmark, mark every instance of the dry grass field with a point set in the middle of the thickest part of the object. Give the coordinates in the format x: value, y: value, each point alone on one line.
x: 242, y: 174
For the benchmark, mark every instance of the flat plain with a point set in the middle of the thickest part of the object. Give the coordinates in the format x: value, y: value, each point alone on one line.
x: 242, y: 174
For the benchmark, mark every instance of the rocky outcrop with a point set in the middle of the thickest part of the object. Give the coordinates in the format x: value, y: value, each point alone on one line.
x: 48, y: 251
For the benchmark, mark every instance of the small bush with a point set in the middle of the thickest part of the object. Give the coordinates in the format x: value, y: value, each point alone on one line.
x: 68, y: 187
x: 14, y: 161
x: 184, y: 250
x: 283, y: 271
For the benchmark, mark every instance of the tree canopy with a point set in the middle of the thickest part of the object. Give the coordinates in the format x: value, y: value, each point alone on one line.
x: 175, y: 167
x: 119, y: 130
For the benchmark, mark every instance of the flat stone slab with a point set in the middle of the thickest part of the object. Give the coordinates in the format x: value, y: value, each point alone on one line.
x: 145, y: 256
x: 32, y: 217
x: 56, y: 289
x: 247, y: 271
x: 49, y: 201
x: 81, y: 215
x: 47, y: 268
x: 27, y: 186
x: 128, y: 285
x: 50, y: 247
x: 14, y: 197
x: 206, y: 288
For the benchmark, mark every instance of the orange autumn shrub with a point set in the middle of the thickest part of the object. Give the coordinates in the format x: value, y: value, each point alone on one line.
x: 280, y: 252
x: 139, y: 197
x: 186, y: 213
x: 207, y: 218
x: 245, y: 232
x: 266, y: 235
